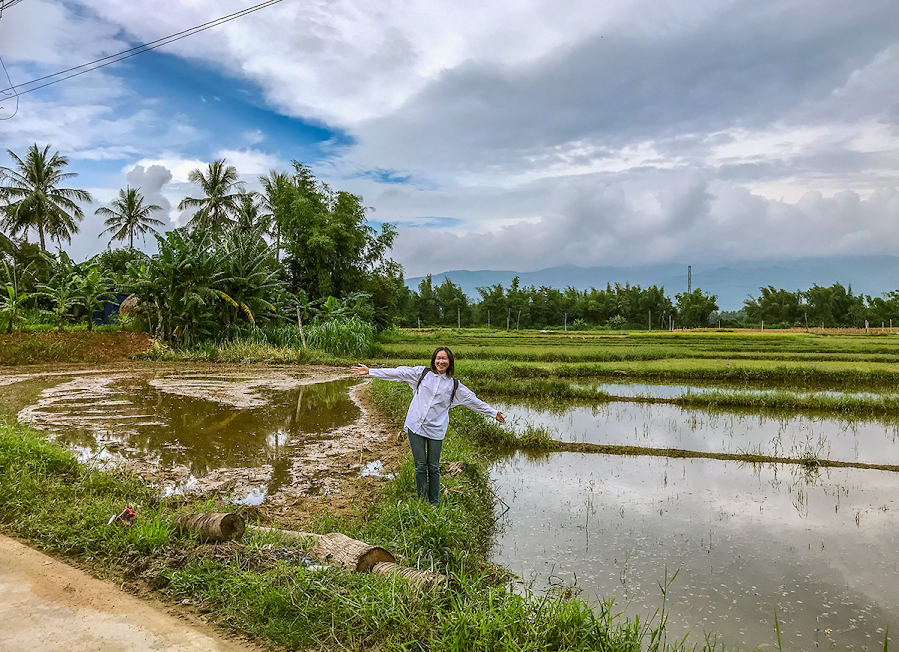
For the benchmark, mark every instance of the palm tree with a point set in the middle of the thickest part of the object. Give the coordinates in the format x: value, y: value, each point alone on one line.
x: 248, y: 212
x: 221, y: 186
x: 34, y: 199
x: 128, y: 216
x: 275, y: 184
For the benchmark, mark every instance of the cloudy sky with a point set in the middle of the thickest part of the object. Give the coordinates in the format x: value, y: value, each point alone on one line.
x: 496, y: 135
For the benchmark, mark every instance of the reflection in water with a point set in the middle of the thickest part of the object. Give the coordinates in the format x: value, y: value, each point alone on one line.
x: 138, y: 416
x: 817, y: 548
x: 739, y: 431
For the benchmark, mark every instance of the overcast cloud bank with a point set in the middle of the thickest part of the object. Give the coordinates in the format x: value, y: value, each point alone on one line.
x: 501, y: 136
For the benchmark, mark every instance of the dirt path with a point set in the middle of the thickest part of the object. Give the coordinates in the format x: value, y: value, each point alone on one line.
x: 48, y: 606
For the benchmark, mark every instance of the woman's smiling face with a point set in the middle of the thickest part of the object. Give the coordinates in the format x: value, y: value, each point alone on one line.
x: 441, y: 362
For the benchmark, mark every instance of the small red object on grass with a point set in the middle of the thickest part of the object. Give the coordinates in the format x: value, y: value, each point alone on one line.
x: 126, y: 518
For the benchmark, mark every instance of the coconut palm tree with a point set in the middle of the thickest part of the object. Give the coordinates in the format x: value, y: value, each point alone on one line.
x: 275, y: 184
x: 221, y: 188
x: 128, y: 216
x: 250, y: 212
x: 34, y: 200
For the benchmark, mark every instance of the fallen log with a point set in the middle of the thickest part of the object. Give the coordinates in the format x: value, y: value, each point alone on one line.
x: 339, y: 549
x: 306, y: 539
x: 211, y: 527
x: 421, y: 579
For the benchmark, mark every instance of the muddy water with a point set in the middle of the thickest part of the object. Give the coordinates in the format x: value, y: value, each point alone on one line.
x: 670, y: 426
x: 189, y: 425
x: 745, y: 542
x: 817, y: 548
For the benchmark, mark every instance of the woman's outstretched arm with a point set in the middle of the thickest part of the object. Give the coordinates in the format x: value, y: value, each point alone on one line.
x: 408, y: 375
x: 466, y: 397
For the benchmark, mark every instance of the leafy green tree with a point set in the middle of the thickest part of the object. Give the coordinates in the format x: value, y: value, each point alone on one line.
x: 884, y: 309
x: 331, y: 249
x: 34, y: 199
x: 128, y: 216
x: 834, y: 305
x: 425, y: 303
x: 775, y: 306
x: 493, y: 305
x: 221, y: 188
x: 694, y: 308
x: 452, y: 303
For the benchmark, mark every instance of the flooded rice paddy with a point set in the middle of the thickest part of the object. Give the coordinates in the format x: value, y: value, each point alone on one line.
x: 816, y: 547
x: 736, y: 431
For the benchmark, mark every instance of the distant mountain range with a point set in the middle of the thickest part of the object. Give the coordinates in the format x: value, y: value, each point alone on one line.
x: 871, y: 275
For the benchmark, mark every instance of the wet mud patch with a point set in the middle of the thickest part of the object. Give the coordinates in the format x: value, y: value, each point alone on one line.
x: 286, y: 442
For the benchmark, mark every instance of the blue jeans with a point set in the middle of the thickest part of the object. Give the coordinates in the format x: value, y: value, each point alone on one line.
x: 426, y: 454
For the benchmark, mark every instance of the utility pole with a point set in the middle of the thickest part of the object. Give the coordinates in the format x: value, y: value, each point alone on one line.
x: 508, y: 317
x: 566, y: 322
x: 650, y: 320
x: 488, y: 320
x: 518, y: 321
x: 458, y: 316
x: 689, y: 279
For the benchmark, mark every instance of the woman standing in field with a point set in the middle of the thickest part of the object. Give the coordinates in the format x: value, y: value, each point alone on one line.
x: 435, y: 392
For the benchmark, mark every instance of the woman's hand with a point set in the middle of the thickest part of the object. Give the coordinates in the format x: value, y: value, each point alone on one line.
x: 500, y: 417
x: 359, y: 370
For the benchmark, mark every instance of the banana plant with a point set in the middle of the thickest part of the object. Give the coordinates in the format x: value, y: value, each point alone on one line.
x: 12, y: 301
x: 92, y: 291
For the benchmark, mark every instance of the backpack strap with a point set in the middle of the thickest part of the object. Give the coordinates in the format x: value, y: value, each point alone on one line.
x: 426, y: 371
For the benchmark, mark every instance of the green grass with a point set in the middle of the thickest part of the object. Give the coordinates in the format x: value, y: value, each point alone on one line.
x: 58, y: 503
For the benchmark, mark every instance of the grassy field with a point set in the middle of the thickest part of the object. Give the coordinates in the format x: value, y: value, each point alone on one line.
x: 561, y: 367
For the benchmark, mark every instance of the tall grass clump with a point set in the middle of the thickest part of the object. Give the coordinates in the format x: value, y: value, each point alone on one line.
x: 343, y: 336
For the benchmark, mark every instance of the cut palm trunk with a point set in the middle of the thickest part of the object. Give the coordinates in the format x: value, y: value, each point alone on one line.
x: 421, y: 579
x: 339, y: 549
x: 211, y: 527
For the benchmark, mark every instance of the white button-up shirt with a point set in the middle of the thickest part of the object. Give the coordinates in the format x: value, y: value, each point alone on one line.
x: 428, y: 413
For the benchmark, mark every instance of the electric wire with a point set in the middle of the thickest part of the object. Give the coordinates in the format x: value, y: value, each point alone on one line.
x: 139, y: 49
x: 6, y: 92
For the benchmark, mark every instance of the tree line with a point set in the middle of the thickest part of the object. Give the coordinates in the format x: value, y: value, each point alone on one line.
x: 632, y: 307
x: 244, y: 261
x: 299, y: 250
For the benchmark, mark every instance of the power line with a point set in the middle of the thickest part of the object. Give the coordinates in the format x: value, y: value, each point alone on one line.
x: 7, y: 5
x: 139, y: 49
x: 10, y: 117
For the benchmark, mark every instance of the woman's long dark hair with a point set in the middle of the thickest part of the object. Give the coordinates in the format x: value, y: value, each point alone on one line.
x: 451, y: 369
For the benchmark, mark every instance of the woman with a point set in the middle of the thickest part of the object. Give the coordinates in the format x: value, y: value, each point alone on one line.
x: 435, y: 392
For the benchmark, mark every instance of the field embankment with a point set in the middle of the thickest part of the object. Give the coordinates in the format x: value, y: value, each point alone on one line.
x: 40, y: 347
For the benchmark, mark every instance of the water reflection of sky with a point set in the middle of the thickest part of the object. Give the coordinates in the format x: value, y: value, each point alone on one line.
x: 131, y: 415
x: 820, y: 549
x: 669, y: 426
x: 651, y: 390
